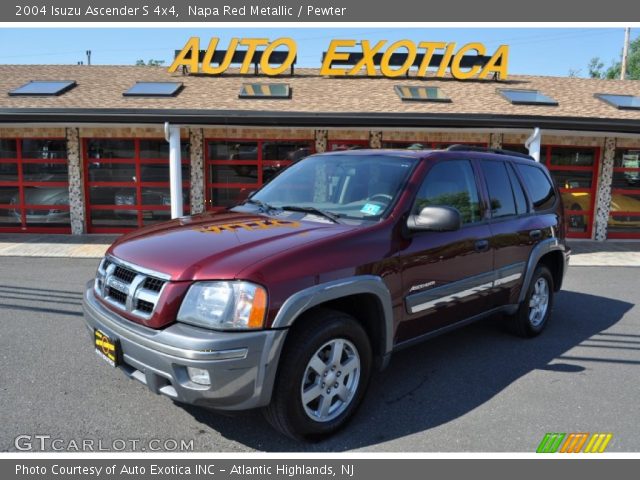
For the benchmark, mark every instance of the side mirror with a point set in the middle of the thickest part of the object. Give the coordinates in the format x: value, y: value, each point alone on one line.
x: 438, y: 219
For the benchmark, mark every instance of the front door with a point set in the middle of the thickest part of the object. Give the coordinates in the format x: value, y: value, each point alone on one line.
x: 446, y: 276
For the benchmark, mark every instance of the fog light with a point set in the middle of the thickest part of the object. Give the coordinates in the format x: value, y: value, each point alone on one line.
x: 199, y: 376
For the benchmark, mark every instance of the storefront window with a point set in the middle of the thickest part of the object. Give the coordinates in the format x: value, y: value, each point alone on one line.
x: 128, y: 183
x: 235, y: 168
x: 153, y: 148
x: 8, y: 172
x: 424, y: 145
x: 571, y: 179
x: 574, y: 170
x: 8, y: 148
x: 569, y: 156
x: 110, y: 148
x: 624, y: 216
x: 34, y: 185
x: 231, y: 150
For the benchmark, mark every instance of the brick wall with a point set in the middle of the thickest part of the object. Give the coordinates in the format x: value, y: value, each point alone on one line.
x: 125, y: 132
x: 258, y: 133
x: 31, y: 132
x: 586, y: 141
x: 427, y: 136
x: 628, y: 142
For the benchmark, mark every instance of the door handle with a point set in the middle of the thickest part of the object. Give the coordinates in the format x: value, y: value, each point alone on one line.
x: 535, y: 234
x: 482, y: 245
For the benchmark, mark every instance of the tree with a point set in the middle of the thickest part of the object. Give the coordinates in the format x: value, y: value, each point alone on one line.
x: 150, y: 63
x: 596, y: 66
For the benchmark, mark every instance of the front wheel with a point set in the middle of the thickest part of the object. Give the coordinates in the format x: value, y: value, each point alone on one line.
x: 534, y: 312
x: 322, y: 377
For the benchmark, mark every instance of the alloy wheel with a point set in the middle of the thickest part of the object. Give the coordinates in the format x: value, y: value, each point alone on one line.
x: 330, y: 380
x: 539, y: 302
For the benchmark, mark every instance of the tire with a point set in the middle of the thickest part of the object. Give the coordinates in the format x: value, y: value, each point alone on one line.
x: 530, y: 320
x: 316, y: 337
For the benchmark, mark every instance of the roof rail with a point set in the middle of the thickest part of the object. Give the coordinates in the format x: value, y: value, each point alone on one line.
x: 499, y: 151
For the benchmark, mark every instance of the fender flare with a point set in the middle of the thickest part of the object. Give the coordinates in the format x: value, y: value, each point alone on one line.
x: 310, y: 297
x: 541, y: 249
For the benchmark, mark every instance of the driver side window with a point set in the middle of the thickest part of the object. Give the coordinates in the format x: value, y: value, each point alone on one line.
x: 451, y: 183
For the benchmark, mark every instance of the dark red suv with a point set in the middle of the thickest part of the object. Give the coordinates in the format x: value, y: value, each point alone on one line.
x: 290, y: 300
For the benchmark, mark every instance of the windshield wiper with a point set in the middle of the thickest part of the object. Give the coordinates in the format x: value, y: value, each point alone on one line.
x: 264, y: 206
x: 294, y: 208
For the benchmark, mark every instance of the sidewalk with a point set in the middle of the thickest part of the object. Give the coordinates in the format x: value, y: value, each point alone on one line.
x: 605, y: 254
x: 47, y: 245
x: 584, y: 253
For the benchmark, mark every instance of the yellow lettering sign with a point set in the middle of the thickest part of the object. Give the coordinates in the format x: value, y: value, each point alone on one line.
x: 333, y: 55
x: 501, y: 56
x: 292, y: 49
x: 190, y: 53
x: 191, y: 49
x: 456, y: 71
x: 450, y: 58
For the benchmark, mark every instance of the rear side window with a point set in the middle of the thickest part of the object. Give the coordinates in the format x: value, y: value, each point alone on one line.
x: 500, y: 193
x: 451, y: 184
x: 518, y: 192
x: 539, y: 186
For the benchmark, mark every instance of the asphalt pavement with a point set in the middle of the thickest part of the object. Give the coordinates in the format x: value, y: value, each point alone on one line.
x: 476, y: 389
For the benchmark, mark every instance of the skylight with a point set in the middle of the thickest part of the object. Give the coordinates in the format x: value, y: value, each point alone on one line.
x: 154, y: 89
x: 622, y: 102
x: 265, y: 90
x: 43, y: 88
x: 420, y: 93
x: 526, y: 97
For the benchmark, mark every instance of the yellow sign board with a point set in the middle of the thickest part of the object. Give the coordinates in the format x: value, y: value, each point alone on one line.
x: 373, y: 59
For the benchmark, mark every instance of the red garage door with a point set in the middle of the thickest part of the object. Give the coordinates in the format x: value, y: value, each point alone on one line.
x: 127, y: 182
x: 34, y: 185
x: 235, y: 168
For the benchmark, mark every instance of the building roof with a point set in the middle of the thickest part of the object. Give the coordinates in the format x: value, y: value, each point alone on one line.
x: 316, y: 100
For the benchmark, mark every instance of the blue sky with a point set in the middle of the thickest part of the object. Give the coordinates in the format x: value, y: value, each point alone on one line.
x: 537, y: 51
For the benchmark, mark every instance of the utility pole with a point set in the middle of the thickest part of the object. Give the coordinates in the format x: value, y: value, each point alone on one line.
x: 625, y: 53
x: 88, y: 57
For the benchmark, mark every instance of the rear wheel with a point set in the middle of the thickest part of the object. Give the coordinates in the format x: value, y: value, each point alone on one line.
x: 534, y: 312
x: 322, y: 377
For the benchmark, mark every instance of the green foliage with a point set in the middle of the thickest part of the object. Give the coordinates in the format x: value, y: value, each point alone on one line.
x: 149, y: 63
x: 597, y: 70
x: 469, y: 211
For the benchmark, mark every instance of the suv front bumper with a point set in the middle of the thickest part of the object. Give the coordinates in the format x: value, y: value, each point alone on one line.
x: 241, y: 365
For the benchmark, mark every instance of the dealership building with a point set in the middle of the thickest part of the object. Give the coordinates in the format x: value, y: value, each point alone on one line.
x: 83, y: 149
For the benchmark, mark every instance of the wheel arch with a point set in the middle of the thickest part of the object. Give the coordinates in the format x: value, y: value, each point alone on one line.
x: 551, y: 253
x: 365, y: 297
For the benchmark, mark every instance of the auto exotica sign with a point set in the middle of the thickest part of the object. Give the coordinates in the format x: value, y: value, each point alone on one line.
x: 348, y: 58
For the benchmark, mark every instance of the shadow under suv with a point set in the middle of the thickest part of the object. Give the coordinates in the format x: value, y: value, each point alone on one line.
x: 291, y: 300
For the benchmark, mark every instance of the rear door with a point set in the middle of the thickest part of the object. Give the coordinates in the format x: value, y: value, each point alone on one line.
x: 513, y: 230
x: 446, y: 276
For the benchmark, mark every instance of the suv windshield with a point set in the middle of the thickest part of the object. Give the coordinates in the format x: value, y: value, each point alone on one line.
x: 360, y: 187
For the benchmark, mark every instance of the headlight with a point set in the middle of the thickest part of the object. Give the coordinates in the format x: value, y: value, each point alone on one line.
x: 224, y: 305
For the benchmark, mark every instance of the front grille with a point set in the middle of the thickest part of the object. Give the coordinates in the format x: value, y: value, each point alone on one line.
x: 153, y: 284
x: 129, y: 288
x: 124, y: 274
x: 144, y: 306
x: 117, y: 295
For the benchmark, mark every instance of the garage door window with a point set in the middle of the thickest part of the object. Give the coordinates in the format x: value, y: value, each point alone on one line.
x: 127, y: 182
x: 34, y: 185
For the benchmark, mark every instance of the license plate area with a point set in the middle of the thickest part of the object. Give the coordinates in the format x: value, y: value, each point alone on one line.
x: 106, y: 348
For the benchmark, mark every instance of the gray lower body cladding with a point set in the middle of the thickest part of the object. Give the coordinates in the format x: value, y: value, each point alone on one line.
x: 241, y: 365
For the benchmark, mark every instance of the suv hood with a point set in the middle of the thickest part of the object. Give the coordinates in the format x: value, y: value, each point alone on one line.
x: 218, y: 246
